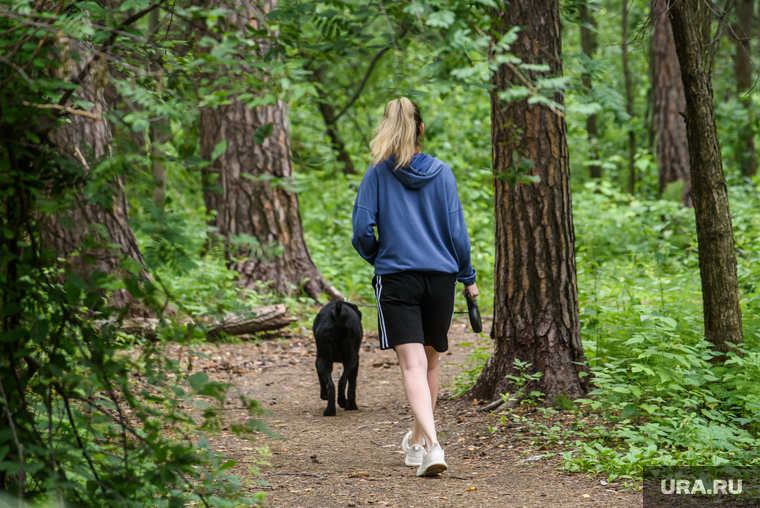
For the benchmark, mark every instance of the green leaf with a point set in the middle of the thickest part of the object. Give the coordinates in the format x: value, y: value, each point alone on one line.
x: 13, y: 335
x: 133, y: 287
x: 133, y: 5
x: 76, y: 280
x: 228, y: 465
x: 440, y: 19
x: 198, y: 379
x: 628, y: 411
x: 32, y: 137
x: 72, y: 292
x: 664, y: 376
x: 263, y: 132
x: 523, y: 178
x: 219, y: 149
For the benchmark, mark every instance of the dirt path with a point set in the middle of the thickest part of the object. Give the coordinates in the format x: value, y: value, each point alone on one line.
x: 354, y: 459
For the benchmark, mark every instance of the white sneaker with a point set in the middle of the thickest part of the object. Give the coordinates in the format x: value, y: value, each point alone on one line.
x: 414, y: 453
x: 433, y: 463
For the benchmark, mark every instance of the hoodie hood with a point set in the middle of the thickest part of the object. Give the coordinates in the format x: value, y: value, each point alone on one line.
x: 423, y: 169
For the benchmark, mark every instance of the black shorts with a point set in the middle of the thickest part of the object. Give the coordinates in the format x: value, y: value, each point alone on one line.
x: 415, y: 307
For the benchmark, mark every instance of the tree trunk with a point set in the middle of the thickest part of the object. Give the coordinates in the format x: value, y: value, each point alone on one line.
x: 669, y: 103
x: 86, y: 140
x: 254, y: 210
x: 743, y: 69
x: 628, y: 103
x: 536, y: 295
x: 159, y: 128
x: 589, y: 45
x: 331, y: 125
x: 717, y: 257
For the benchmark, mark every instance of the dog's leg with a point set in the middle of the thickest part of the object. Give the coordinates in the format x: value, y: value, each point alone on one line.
x: 352, y: 387
x: 324, y: 368
x: 322, y: 383
x: 342, y: 387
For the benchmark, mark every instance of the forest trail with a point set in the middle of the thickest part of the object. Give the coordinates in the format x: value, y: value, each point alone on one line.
x: 354, y: 459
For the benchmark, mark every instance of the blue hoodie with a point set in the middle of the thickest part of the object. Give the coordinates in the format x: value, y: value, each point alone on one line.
x: 418, y: 217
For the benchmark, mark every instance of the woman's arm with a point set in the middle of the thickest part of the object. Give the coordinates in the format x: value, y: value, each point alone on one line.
x: 363, y: 239
x: 364, y: 218
x: 461, y: 239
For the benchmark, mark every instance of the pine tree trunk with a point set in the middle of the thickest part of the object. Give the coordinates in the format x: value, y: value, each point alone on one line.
x: 158, y: 128
x: 254, y: 200
x: 86, y: 140
x: 536, y: 295
x: 628, y: 103
x: 669, y: 103
x: 743, y: 70
x: 717, y: 257
x: 589, y: 45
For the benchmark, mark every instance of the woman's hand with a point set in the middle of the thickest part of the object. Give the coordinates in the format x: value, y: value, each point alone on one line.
x: 472, y: 291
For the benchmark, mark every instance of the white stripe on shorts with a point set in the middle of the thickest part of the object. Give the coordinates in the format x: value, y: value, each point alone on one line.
x: 453, y: 307
x: 383, y: 333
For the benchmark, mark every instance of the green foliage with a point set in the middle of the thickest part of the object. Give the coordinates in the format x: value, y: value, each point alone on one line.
x: 476, y: 359
x: 521, y: 383
x: 563, y: 403
x: 657, y: 398
x: 92, y: 417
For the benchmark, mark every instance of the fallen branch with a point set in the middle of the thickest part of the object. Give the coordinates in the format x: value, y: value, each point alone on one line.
x: 67, y: 109
x: 493, y: 405
x: 500, y: 401
x: 261, y: 319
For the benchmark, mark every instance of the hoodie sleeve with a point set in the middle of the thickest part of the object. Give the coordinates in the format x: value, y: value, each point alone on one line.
x: 364, y: 218
x: 459, y: 234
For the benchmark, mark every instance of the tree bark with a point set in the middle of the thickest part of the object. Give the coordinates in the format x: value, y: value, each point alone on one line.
x: 628, y: 103
x: 331, y: 125
x: 743, y: 69
x: 589, y: 45
x: 158, y: 128
x: 717, y: 258
x: 536, y: 295
x: 86, y: 140
x: 669, y: 103
x: 252, y: 201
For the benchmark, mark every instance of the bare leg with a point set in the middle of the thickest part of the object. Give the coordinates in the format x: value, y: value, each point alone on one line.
x: 413, y: 359
x: 432, y: 373
x: 432, y: 379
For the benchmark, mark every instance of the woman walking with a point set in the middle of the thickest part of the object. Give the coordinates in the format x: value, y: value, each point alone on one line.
x: 422, y: 251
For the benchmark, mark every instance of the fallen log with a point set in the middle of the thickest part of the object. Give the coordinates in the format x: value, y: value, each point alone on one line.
x: 261, y: 319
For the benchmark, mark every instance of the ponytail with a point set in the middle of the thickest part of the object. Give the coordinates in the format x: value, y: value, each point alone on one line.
x: 397, y: 133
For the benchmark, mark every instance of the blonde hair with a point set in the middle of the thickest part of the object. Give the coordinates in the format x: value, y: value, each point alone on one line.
x: 397, y: 133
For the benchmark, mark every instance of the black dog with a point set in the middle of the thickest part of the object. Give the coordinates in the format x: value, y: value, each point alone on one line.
x: 338, y: 333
